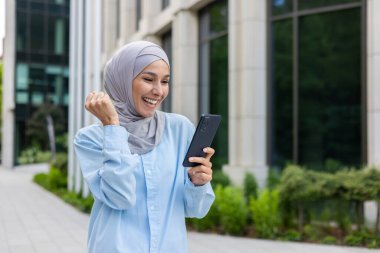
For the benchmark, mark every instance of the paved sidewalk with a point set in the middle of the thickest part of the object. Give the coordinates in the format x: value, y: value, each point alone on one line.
x: 33, y: 220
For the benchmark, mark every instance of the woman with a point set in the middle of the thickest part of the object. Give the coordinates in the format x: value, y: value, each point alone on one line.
x: 132, y: 159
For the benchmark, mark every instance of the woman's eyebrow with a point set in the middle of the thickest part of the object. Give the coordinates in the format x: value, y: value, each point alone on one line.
x: 153, y: 74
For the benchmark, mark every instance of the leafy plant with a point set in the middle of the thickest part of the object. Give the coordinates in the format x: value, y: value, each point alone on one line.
x: 250, y: 186
x: 212, y: 219
x: 265, y: 213
x: 329, y: 240
x: 36, y: 127
x: 291, y: 235
x: 34, y: 155
x: 233, y: 211
x: 219, y: 177
x: 362, y: 238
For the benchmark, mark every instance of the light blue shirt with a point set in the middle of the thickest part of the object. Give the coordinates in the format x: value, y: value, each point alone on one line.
x: 141, y: 201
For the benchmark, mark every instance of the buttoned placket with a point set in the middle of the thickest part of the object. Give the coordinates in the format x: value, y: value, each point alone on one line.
x: 152, y: 205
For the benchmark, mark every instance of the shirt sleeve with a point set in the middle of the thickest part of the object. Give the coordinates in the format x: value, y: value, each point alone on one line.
x: 108, y: 166
x: 198, y: 199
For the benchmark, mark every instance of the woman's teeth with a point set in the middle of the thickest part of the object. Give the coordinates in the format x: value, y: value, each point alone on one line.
x: 150, y: 101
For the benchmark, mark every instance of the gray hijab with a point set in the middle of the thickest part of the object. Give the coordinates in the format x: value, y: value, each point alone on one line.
x: 119, y: 72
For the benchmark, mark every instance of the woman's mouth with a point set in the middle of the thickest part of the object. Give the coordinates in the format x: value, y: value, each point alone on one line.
x: 150, y: 101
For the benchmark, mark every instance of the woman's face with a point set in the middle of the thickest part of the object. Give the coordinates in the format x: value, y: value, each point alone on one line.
x: 150, y: 88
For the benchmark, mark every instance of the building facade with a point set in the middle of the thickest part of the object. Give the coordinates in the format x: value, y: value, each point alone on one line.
x: 295, y: 80
x: 36, y: 72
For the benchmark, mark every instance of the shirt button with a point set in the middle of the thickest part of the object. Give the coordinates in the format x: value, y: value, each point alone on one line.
x: 151, y: 207
x: 148, y: 172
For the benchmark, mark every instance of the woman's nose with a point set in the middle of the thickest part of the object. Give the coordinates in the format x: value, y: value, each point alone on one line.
x: 157, y: 89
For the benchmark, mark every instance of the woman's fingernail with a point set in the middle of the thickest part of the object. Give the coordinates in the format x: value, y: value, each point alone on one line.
x: 205, y: 150
x: 191, y: 159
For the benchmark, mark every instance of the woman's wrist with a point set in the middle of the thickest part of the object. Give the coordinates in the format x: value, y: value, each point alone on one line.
x: 110, y: 122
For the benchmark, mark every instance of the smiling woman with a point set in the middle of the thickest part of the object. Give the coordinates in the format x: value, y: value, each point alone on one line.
x: 132, y: 160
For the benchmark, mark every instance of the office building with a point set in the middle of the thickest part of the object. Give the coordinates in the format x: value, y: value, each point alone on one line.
x: 36, y: 72
x: 295, y: 80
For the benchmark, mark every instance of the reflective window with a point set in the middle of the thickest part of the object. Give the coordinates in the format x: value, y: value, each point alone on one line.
x: 329, y: 88
x: 165, y: 3
x: 22, y: 75
x: 21, y: 31
x: 282, y: 92
x: 282, y: 6
x: 213, y: 87
x: 316, y: 90
x: 41, y: 62
x: 22, y: 97
x: 37, y: 36
x: 138, y: 14
x: 167, y: 46
x: 307, y: 4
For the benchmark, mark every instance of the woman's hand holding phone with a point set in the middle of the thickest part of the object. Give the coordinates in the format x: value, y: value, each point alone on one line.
x: 100, y: 105
x: 201, y: 174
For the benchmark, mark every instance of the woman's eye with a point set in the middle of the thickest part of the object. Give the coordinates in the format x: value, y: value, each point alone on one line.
x: 148, y: 79
x: 165, y: 82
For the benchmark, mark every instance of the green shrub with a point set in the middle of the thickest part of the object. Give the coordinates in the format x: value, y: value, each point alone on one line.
x: 219, y: 177
x: 362, y: 238
x: 56, y: 179
x: 273, y: 179
x: 312, y: 233
x: 33, y: 155
x: 329, y: 240
x: 76, y: 199
x: 212, y: 220
x: 233, y: 211
x: 41, y: 179
x: 291, y: 235
x: 61, y: 162
x: 250, y: 186
x: 265, y: 213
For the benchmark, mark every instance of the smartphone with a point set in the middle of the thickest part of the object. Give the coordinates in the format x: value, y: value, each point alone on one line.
x: 202, y: 138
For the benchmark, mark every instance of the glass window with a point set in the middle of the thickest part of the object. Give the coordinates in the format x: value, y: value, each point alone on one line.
x: 218, y: 16
x: 138, y: 14
x: 22, y: 97
x: 282, y: 7
x: 282, y: 93
x: 37, y: 98
x: 213, y: 83
x: 37, y: 34
x: 59, y: 36
x: 329, y: 88
x: 21, y: 31
x: 307, y: 4
x: 316, y: 91
x: 118, y: 21
x: 22, y: 77
x: 167, y: 46
x: 37, y: 7
x: 22, y: 4
x: 165, y: 3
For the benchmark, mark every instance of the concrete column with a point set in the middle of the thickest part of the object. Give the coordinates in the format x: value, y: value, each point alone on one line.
x: 8, y: 136
x: 185, y: 64
x: 150, y: 10
x: 373, y: 81
x: 247, y: 90
x: 85, y: 76
x: 127, y: 19
x: 373, y: 94
x: 109, y: 27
